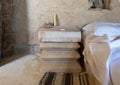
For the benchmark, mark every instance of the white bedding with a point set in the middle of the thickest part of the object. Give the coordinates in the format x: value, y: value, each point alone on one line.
x: 101, y: 54
x: 115, y: 66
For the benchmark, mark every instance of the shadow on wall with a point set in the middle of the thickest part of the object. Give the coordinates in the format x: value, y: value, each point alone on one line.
x: 0, y: 28
x: 6, y: 36
x: 21, y: 26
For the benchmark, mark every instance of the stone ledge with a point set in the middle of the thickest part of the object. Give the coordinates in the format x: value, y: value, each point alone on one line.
x: 63, y: 46
x: 60, y: 55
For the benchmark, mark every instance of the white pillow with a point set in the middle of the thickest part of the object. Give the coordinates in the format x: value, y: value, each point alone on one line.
x: 89, y: 27
x: 92, y: 26
x: 112, y: 30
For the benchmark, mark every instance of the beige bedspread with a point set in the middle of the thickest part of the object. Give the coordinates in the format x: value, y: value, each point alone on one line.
x: 97, y: 52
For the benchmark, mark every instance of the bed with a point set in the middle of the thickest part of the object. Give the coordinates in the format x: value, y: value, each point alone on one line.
x: 101, y: 52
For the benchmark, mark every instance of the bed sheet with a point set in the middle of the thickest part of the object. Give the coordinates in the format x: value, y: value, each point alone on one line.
x: 114, y: 62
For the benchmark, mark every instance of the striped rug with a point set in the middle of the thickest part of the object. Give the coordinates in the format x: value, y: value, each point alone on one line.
x: 52, y: 78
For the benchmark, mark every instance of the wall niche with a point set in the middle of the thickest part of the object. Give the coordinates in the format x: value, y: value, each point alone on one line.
x: 102, y: 4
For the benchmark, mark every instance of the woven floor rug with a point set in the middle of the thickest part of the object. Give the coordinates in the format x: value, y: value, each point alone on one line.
x: 52, y: 78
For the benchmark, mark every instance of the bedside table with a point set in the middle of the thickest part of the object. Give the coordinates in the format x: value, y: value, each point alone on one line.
x: 59, y: 47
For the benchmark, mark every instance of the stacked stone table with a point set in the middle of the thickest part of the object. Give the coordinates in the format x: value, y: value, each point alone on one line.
x: 59, y: 49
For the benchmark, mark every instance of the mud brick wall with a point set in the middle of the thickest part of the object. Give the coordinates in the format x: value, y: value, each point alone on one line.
x: 6, y: 36
x: 30, y: 15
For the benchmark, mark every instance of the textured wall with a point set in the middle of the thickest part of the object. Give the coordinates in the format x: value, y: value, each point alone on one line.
x: 29, y: 15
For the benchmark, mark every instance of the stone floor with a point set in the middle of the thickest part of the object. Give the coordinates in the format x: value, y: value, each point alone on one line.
x: 21, y: 70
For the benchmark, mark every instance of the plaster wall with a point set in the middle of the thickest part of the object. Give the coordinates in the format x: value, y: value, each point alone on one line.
x: 30, y: 15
